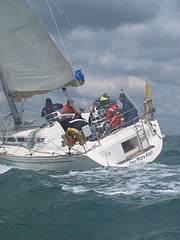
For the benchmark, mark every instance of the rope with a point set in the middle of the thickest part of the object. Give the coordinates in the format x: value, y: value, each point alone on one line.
x: 88, y: 46
x: 84, y: 100
x: 63, y: 41
x: 58, y: 31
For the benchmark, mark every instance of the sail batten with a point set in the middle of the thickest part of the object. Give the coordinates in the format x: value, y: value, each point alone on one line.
x: 30, y: 61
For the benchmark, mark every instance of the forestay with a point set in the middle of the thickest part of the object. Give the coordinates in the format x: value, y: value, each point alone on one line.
x: 29, y: 60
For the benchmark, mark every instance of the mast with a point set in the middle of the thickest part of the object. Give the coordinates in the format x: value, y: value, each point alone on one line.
x: 9, y: 97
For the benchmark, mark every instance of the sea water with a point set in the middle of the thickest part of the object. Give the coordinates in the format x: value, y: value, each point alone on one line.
x: 135, y: 203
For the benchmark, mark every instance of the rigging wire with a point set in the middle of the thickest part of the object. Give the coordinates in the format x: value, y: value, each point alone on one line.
x: 84, y: 99
x: 63, y: 41
x: 85, y: 42
x: 88, y: 46
x: 60, y: 36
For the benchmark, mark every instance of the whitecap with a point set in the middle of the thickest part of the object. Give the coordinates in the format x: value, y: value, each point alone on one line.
x: 143, y: 182
x: 74, y: 189
x: 4, y: 168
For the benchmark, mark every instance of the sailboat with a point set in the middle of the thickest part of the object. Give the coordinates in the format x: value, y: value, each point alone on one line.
x: 31, y: 64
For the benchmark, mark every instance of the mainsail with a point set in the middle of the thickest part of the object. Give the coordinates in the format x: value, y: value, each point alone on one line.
x: 29, y: 60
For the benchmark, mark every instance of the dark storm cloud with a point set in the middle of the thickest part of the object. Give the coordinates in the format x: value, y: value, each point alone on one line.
x: 133, y: 39
x: 109, y: 14
x: 103, y: 13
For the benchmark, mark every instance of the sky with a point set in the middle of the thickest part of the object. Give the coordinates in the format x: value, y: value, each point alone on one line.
x: 125, y: 43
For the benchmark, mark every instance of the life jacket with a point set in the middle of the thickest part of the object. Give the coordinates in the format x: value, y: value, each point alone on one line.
x: 114, y: 116
x: 67, y: 109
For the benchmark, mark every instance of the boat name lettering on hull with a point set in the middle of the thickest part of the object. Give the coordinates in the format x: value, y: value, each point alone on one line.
x: 143, y: 157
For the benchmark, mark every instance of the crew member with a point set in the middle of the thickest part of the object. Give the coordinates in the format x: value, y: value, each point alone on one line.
x: 129, y: 110
x: 70, y: 108
x: 49, y: 107
x: 104, y: 100
x: 114, y: 116
x: 78, y: 122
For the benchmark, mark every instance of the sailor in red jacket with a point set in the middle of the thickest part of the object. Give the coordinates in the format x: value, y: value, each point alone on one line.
x: 70, y: 108
x: 113, y: 116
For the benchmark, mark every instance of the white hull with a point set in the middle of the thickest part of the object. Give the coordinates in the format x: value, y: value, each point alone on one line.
x: 109, y: 151
x: 60, y: 163
x: 31, y: 64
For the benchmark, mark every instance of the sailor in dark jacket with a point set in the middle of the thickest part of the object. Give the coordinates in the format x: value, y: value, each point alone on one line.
x: 78, y: 122
x: 49, y: 107
x: 129, y: 110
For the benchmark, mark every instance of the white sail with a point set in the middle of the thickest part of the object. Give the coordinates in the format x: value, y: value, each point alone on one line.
x: 29, y: 60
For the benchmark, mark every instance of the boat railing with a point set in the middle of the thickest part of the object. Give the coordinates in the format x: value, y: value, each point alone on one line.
x: 100, y: 127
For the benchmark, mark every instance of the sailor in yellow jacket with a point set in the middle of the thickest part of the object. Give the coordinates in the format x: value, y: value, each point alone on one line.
x: 104, y: 100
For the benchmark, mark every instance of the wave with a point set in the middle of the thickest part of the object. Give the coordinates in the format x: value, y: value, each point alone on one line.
x: 4, y: 168
x: 143, y: 182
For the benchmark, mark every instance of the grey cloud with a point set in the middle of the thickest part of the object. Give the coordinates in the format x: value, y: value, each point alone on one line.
x: 102, y: 13
x: 110, y: 14
x: 136, y: 38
